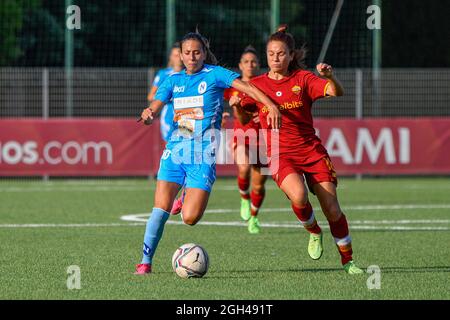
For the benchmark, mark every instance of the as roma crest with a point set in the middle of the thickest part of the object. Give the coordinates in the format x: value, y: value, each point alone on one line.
x: 296, y: 89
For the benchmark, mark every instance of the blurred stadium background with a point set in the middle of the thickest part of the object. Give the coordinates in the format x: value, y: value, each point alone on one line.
x: 104, y: 70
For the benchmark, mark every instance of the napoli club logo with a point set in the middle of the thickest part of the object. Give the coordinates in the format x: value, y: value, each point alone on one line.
x: 202, y: 87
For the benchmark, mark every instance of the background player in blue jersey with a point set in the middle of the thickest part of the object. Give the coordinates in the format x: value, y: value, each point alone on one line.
x: 189, y: 157
x: 174, y: 65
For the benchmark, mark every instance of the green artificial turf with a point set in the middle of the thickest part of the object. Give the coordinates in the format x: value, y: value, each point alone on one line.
x: 400, y: 225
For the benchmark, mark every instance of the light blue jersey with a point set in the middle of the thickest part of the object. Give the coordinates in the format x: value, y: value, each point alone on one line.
x: 162, y: 75
x: 166, y: 116
x: 198, y: 106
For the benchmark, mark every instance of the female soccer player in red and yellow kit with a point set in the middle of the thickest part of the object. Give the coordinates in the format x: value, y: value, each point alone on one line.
x: 298, y: 154
x: 245, y: 142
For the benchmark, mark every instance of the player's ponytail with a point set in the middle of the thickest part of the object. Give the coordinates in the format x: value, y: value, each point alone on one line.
x: 210, y: 57
x: 282, y: 28
x: 299, y: 54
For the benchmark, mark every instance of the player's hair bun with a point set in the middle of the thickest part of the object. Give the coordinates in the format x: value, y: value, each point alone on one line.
x: 282, y: 28
x: 282, y: 35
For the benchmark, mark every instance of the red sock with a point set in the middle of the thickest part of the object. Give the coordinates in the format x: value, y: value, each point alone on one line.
x: 243, y: 185
x: 306, y: 217
x: 339, y: 230
x: 257, y: 200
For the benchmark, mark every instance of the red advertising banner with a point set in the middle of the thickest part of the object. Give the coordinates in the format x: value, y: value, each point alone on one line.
x: 122, y: 147
x: 77, y: 147
x: 387, y: 146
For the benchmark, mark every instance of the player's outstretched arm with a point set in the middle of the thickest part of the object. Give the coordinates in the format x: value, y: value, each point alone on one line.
x: 149, y: 113
x: 274, y: 115
x: 335, y: 88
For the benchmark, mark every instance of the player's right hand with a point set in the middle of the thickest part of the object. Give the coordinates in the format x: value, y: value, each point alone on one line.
x: 147, y: 116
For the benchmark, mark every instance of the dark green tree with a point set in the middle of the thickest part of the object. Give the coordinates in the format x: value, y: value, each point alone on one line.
x: 416, y: 33
x: 11, y: 22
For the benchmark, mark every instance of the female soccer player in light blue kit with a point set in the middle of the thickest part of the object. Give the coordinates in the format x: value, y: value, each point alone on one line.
x: 189, y: 157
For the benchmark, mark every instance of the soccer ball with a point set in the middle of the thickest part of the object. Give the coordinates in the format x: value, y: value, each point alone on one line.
x: 190, y: 261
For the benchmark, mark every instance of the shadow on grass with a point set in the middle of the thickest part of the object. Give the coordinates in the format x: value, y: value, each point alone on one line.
x: 239, y: 274
x: 415, y: 269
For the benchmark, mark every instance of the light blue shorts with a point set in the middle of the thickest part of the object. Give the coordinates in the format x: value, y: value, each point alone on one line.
x: 195, y: 175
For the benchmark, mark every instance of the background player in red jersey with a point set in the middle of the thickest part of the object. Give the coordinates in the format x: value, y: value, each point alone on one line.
x: 301, y: 154
x: 245, y: 142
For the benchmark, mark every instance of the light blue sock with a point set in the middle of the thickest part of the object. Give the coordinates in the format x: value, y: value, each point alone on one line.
x: 153, y: 233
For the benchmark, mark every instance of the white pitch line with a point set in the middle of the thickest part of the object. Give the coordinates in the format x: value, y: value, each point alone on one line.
x: 398, y: 207
x: 216, y: 223
x: 355, y: 208
x: 355, y: 224
x: 139, y: 219
x: 430, y: 221
x: 68, y: 225
x: 297, y: 225
x: 69, y: 185
x: 425, y: 187
x: 359, y: 222
x: 95, y: 188
x: 143, y: 217
x: 70, y: 189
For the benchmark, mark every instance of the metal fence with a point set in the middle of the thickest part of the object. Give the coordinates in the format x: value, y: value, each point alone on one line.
x: 117, y: 92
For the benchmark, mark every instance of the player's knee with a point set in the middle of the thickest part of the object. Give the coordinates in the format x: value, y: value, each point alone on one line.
x: 258, y: 188
x: 300, y: 201
x: 244, y: 171
x: 190, y: 222
x: 333, y: 212
x: 190, y: 219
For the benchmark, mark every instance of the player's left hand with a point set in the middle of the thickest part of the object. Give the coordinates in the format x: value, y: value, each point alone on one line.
x: 325, y: 70
x: 234, y: 101
x: 274, y: 118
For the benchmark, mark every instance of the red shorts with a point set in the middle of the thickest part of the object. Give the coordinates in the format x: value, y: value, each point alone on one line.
x: 320, y: 171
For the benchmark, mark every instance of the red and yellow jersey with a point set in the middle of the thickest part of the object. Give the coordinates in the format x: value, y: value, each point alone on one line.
x: 294, y: 96
x: 254, y: 123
